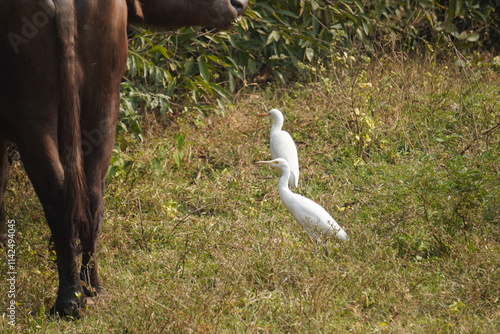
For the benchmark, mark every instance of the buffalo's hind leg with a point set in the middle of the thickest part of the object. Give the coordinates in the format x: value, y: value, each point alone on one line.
x: 42, y: 164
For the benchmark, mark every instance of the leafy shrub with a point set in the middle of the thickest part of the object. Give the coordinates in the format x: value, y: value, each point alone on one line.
x: 287, y: 41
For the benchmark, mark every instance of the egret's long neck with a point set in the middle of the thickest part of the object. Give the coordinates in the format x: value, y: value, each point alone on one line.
x: 283, y: 182
x: 277, y: 125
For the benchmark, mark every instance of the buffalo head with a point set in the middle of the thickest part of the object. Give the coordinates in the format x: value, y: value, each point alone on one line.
x: 172, y: 14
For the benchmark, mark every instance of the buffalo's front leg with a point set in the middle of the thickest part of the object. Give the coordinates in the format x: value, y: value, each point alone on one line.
x: 97, y: 143
x: 100, y: 99
x: 98, y: 138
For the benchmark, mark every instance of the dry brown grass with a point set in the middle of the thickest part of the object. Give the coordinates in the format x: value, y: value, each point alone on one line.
x: 209, y: 248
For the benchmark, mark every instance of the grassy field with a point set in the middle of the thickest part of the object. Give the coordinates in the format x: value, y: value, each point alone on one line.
x: 404, y: 154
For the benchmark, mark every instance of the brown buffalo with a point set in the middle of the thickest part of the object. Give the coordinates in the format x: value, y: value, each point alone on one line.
x: 61, y: 63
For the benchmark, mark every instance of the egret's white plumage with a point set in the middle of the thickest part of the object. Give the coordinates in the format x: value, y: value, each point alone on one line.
x: 315, y: 220
x: 283, y: 146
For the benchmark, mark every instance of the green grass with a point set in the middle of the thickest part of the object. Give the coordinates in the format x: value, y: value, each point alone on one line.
x: 404, y: 154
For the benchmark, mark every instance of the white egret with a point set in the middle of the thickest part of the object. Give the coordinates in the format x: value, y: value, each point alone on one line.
x: 315, y: 220
x: 283, y: 146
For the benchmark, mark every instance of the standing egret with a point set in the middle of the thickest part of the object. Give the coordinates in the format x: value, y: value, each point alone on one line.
x: 283, y: 146
x: 315, y: 220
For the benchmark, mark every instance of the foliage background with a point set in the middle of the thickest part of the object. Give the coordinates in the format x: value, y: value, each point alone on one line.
x: 289, y: 41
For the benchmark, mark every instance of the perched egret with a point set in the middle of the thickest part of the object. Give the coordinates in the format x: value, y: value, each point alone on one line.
x: 283, y: 146
x: 315, y: 220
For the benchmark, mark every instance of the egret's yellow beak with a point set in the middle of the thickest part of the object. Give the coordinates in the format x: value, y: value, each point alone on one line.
x: 268, y: 162
x: 263, y: 114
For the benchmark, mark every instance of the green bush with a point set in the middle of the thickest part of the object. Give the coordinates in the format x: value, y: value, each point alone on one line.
x: 289, y: 41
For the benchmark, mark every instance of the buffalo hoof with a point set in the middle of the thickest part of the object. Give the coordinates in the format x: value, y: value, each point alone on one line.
x: 69, y: 309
